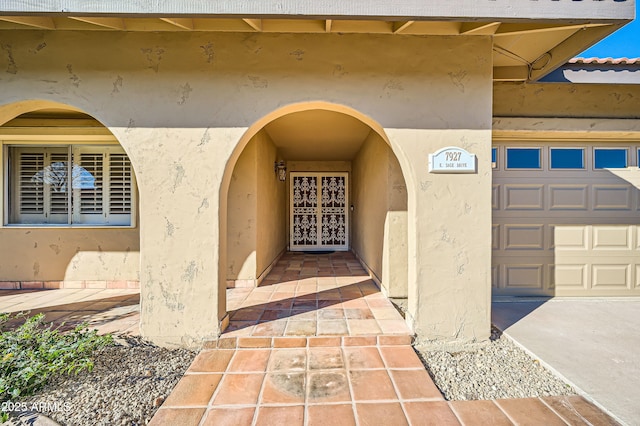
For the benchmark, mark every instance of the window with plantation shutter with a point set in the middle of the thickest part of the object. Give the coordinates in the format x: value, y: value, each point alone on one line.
x: 98, y: 192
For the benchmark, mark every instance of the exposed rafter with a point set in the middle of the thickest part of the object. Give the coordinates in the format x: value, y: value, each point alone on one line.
x: 327, y: 25
x: 399, y: 27
x: 256, y: 24
x: 184, y: 23
x: 113, y: 23
x: 479, y: 28
x: 42, y: 22
x: 578, y: 42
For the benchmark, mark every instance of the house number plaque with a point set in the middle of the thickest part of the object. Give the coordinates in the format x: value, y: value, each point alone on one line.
x: 452, y: 160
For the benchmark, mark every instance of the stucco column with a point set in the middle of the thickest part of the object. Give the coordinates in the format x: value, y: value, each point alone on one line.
x: 449, y: 237
x: 179, y: 172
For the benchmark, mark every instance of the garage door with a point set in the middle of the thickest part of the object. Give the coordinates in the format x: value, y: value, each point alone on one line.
x: 566, y: 219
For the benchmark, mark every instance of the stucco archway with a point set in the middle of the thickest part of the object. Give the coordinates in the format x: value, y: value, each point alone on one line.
x: 80, y: 248
x: 313, y: 137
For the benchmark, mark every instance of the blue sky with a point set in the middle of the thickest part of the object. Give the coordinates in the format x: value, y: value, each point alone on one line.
x: 623, y: 43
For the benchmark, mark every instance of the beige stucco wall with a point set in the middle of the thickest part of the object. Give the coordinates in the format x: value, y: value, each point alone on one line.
x: 379, y: 217
x: 64, y: 254
x: 271, y: 208
x: 179, y: 104
x: 242, y: 204
x: 566, y: 100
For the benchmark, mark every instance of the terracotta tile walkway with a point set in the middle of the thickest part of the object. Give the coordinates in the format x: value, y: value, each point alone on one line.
x: 313, y: 295
x: 318, y: 344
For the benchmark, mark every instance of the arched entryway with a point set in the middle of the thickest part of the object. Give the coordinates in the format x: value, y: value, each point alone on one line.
x: 336, y: 225
x: 69, y: 200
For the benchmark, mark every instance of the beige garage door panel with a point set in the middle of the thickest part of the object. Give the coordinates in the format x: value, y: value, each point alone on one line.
x: 565, y: 232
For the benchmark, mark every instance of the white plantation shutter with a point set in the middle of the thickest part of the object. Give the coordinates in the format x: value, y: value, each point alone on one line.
x: 119, y: 184
x: 99, y: 192
x: 40, y: 189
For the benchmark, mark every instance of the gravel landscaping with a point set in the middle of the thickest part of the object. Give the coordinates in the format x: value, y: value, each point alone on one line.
x: 498, y: 369
x: 131, y: 380
x: 127, y: 385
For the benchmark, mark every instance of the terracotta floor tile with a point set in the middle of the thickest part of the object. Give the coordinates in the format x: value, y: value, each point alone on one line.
x: 415, y: 384
x: 328, y: 386
x: 379, y: 414
x: 354, y: 303
x: 289, y: 416
x: 400, y: 357
x: 333, y: 295
x: 325, y: 358
x: 395, y: 340
x: 530, y: 411
x: 211, y: 361
x: 239, y: 389
x: 193, y: 389
x: 300, y: 328
x: 394, y: 326
x: 359, y: 340
x: 430, y: 414
x: 250, y: 360
x: 289, y: 342
x: 254, y: 342
x: 330, y: 314
x: 576, y: 410
x: 288, y: 360
x: 272, y: 328
x: 227, y: 417
x: 350, y: 313
x: 177, y: 416
x: 239, y: 328
x: 281, y: 301
x: 371, y: 385
x: 363, y: 327
x: 359, y: 358
x: 315, y: 342
x: 332, y: 328
x: 304, y: 315
x: 335, y: 415
x: 283, y: 388
x: 385, y: 313
x: 379, y: 303
x: 479, y: 413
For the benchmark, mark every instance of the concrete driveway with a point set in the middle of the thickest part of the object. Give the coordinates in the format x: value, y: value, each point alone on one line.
x: 594, y: 344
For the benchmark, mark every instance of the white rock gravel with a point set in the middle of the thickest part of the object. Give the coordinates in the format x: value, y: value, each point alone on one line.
x: 497, y: 369
x: 127, y: 385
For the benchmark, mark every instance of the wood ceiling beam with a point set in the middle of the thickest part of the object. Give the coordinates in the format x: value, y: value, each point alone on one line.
x: 184, y: 23
x: 327, y: 25
x: 42, y: 22
x: 256, y: 24
x: 112, y: 23
x: 399, y: 27
x: 479, y: 28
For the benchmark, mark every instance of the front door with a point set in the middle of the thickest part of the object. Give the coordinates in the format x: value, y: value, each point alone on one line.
x: 319, y: 214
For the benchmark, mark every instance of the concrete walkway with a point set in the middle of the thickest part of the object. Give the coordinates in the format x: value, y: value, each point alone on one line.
x: 594, y: 344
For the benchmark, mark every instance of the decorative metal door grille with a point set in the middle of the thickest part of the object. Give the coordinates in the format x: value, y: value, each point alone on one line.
x: 319, y: 211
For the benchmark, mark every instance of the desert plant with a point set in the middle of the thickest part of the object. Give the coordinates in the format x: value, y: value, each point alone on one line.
x: 35, y: 351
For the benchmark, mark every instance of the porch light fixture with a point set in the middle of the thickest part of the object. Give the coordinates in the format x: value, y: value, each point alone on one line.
x: 281, y: 170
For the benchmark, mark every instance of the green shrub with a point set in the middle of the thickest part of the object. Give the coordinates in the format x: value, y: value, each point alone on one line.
x: 35, y: 351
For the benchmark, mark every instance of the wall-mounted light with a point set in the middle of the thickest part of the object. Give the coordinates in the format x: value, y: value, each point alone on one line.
x: 281, y: 170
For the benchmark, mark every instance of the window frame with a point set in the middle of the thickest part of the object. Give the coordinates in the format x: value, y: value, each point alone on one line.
x: 520, y: 148
x: 73, y: 144
x: 610, y: 148
x: 574, y: 169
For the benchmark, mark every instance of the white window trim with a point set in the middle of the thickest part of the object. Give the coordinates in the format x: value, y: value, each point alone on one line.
x: 44, y: 141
